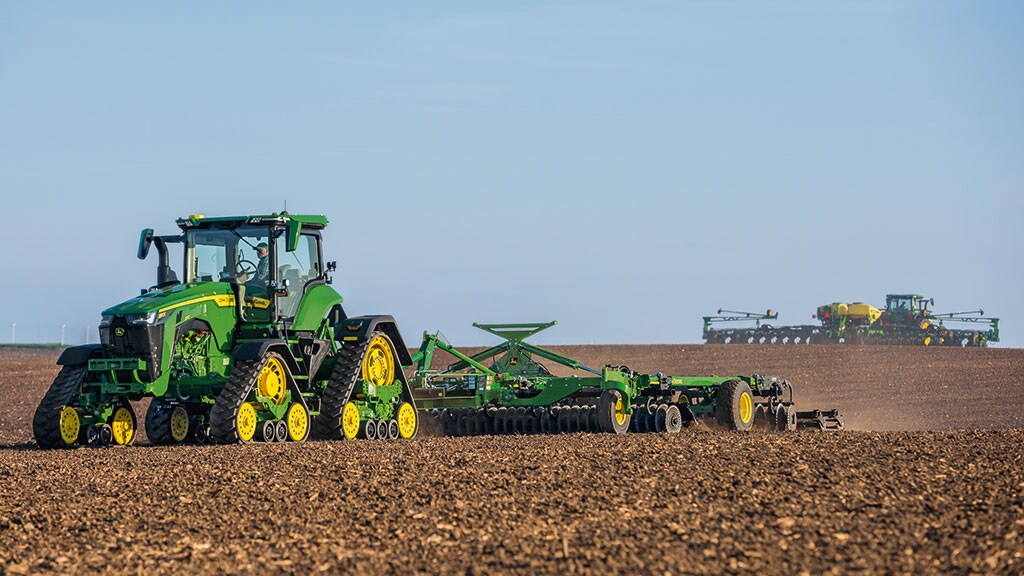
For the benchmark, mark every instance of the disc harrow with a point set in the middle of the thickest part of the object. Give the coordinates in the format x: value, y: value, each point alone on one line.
x: 515, y: 394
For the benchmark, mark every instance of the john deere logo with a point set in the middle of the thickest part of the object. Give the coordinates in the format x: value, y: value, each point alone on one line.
x: 119, y: 331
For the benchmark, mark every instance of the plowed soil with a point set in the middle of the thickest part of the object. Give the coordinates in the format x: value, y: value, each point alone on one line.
x: 929, y: 479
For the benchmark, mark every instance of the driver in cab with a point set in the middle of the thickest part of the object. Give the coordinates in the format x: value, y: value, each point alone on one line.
x: 263, y: 267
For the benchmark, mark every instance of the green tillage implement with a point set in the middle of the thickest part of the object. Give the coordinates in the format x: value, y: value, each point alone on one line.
x: 516, y: 394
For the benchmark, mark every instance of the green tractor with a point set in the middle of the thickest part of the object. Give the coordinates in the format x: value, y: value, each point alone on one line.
x: 252, y: 343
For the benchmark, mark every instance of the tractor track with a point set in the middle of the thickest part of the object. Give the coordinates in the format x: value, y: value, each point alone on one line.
x: 900, y: 501
x: 327, y: 425
x: 223, y: 415
x: 45, y: 426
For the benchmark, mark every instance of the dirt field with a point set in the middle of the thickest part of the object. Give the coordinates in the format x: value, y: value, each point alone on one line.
x: 886, y: 497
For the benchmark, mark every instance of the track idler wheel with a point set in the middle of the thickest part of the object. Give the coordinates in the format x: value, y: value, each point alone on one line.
x: 123, y: 424
x: 266, y: 431
x: 408, y: 421
x: 295, y: 424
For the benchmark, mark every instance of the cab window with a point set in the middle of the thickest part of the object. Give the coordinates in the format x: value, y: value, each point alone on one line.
x: 298, y: 268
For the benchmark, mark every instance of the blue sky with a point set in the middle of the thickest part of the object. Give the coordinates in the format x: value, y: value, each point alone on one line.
x: 623, y: 168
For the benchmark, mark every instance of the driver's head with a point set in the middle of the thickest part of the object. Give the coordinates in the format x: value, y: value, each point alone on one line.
x: 262, y: 249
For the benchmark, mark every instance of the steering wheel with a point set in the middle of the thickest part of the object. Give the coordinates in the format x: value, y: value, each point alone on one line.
x: 244, y: 267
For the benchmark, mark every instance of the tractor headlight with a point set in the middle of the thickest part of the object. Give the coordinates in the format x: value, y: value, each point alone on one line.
x: 105, y: 320
x: 141, y: 319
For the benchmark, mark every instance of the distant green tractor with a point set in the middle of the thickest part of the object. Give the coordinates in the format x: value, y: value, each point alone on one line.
x: 251, y: 344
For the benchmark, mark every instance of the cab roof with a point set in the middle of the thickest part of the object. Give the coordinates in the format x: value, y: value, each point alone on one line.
x: 314, y: 221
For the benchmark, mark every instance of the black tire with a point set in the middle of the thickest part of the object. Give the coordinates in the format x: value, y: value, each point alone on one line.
x: 392, y: 429
x: 382, y: 429
x: 734, y: 406
x: 607, y: 412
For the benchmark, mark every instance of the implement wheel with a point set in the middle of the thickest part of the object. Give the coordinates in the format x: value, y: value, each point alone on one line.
x: 734, y: 405
x: 611, y: 412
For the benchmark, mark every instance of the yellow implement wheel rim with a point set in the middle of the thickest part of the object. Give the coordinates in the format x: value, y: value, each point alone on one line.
x: 122, y: 426
x: 272, y: 381
x: 406, y: 420
x: 379, y: 362
x: 620, y: 411
x: 350, y: 421
x: 746, y: 407
x: 246, y: 422
x: 298, y: 422
x: 927, y: 340
x: 70, y: 425
x: 179, y: 424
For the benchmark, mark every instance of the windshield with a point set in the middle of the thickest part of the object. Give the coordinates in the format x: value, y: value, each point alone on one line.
x: 221, y: 254
x: 904, y: 303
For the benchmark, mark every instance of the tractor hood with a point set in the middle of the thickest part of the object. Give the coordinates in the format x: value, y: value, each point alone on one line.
x: 163, y: 300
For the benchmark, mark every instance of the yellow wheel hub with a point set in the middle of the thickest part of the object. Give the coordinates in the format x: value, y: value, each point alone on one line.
x: 298, y: 422
x: 379, y: 362
x: 406, y: 420
x: 746, y: 407
x: 620, y: 411
x: 179, y: 424
x: 122, y: 425
x: 272, y: 381
x: 246, y: 422
x: 70, y: 425
x: 350, y: 421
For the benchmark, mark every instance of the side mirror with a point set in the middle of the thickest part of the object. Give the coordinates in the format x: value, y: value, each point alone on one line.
x: 145, y: 241
x: 332, y: 266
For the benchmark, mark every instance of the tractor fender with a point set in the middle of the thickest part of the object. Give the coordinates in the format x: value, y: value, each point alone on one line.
x: 256, y: 349
x: 77, y: 355
x: 360, y: 327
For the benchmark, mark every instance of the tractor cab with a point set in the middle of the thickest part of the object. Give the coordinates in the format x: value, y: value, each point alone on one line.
x: 907, y: 304
x: 271, y: 259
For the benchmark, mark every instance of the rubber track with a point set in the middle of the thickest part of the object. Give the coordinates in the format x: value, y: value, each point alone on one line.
x: 224, y: 414
x: 158, y: 422
x: 327, y: 426
x: 46, y: 422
